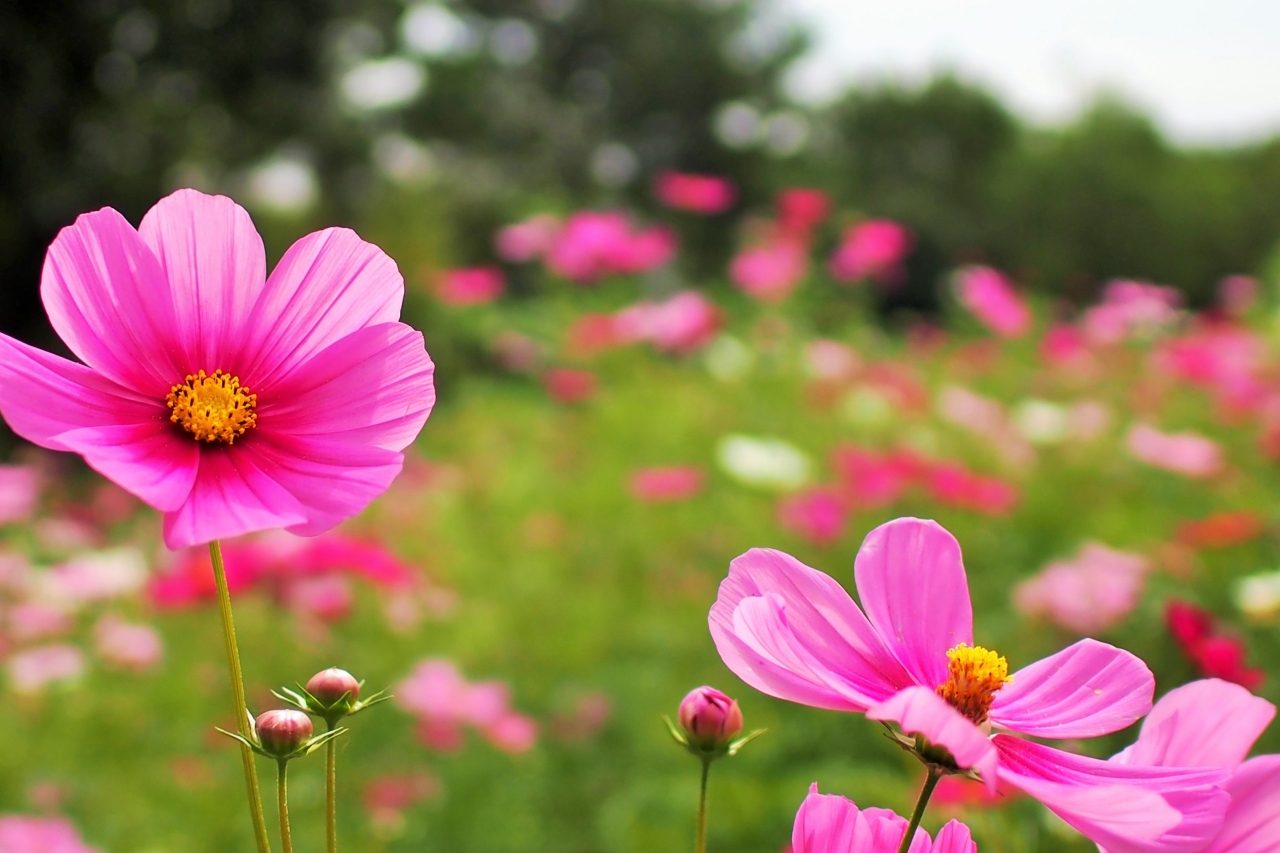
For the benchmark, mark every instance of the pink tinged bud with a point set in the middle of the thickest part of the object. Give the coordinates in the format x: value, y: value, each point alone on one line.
x: 283, y: 732
x: 332, y: 684
x: 710, y: 718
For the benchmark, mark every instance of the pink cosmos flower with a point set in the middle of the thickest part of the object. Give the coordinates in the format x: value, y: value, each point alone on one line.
x: 28, y: 834
x: 872, y: 480
x: 229, y: 401
x: 570, y: 385
x: 664, y: 485
x: 1214, y: 653
x: 801, y: 209
x: 593, y: 245
x: 953, y: 484
x: 1131, y: 309
x: 705, y: 194
x: 907, y: 657
x: 770, y: 271
x: 831, y: 824
x: 873, y: 249
x: 444, y: 701
x: 1064, y: 346
x: 1214, y: 723
x: 1089, y: 593
x: 474, y: 286
x: 818, y: 514
x: 19, y: 492
x: 990, y: 297
x: 526, y: 240
x: 683, y: 323
x: 34, y: 669
x: 127, y: 645
x: 1185, y: 453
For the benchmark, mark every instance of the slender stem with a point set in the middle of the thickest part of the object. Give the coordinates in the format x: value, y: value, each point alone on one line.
x: 331, y: 792
x: 701, y: 846
x: 930, y: 782
x: 237, y: 692
x: 282, y: 797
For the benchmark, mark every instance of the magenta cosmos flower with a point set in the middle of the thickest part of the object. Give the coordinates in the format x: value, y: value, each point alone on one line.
x: 832, y: 824
x: 794, y: 633
x: 226, y: 399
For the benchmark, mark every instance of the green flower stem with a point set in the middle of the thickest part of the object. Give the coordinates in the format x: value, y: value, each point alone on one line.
x: 282, y: 796
x: 930, y: 782
x: 331, y: 792
x: 701, y: 845
x: 237, y: 692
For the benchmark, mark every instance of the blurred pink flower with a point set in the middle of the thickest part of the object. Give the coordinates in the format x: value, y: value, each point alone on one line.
x: 770, y: 271
x: 33, y: 669
x: 328, y: 598
x: 513, y: 733
x: 872, y: 249
x: 817, y: 514
x: 526, y: 240
x: 594, y: 245
x: 172, y: 318
x: 801, y: 209
x: 591, y: 334
x: 28, y: 834
x: 827, y: 823
x: 385, y: 797
x: 19, y: 492
x: 1223, y: 359
x: 831, y: 361
x: 1220, y: 529
x: 127, y: 645
x: 473, y: 286
x: 590, y: 713
x: 444, y: 701
x: 664, y: 485
x: 953, y: 484
x: 1089, y: 593
x: 1237, y: 294
x: 97, y: 576
x: 705, y: 194
x: 1215, y: 654
x: 34, y: 620
x: 1131, y: 309
x: 1064, y: 346
x: 871, y: 480
x: 1185, y: 453
x: 990, y: 297
x: 685, y: 322
x: 570, y: 385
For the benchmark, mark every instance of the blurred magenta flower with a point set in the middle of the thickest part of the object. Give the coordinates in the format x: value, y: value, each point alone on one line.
x: 705, y: 194
x: 526, y: 240
x: 666, y: 484
x: 818, y: 514
x: 1213, y: 723
x: 872, y: 249
x: 873, y: 479
x: 1228, y: 362
x: 1064, y: 346
x: 1185, y: 453
x: 1091, y: 592
x: 28, y: 834
x: 953, y: 484
x: 593, y: 245
x: 444, y: 701
x: 1131, y: 309
x: 794, y: 633
x: 227, y: 400
x: 990, y: 297
x: 127, y: 645
x: 685, y: 322
x: 1215, y: 654
x: 570, y: 385
x: 827, y: 823
x: 770, y: 271
x: 386, y: 797
x: 33, y: 669
x: 801, y: 209
x: 472, y: 286
x: 19, y: 492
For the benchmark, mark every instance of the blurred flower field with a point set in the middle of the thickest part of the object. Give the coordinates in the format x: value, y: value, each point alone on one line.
x: 534, y: 588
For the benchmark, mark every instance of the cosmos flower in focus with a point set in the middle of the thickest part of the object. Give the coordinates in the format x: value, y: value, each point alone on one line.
x: 228, y: 400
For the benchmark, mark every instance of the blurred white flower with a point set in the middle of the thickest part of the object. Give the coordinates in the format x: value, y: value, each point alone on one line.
x: 1258, y: 596
x: 95, y: 576
x: 728, y: 359
x: 1042, y: 422
x: 383, y: 83
x: 768, y: 463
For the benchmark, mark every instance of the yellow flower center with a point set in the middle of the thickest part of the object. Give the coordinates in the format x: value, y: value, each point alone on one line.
x: 977, y: 674
x: 214, y: 409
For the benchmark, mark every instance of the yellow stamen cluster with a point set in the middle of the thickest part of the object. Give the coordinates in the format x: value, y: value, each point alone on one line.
x: 213, y: 409
x: 977, y: 674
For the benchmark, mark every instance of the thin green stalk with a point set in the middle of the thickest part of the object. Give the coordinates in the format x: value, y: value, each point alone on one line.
x: 930, y: 782
x: 701, y: 846
x: 237, y: 693
x: 331, y: 792
x: 282, y: 796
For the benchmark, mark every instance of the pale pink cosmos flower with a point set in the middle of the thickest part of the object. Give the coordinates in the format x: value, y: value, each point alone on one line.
x: 1095, y: 590
x: 127, y: 645
x: 31, y: 670
x: 229, y: 401
x: 990, y: 297
x: 524, y: 241
x: 36, y: 620
x: 1131, y: 309
x: 770, y: 271
x: 704, y: 194
x: 1185, y: 453
x: 96, y: 576
x: 1214, y: 723
x: 872, y: 249
x: 19, y: 492
x: 666, y: 484
x: 444, y: 702
x: 30, y: 834
x: 685, y: 322
x: 907, y: 656
x: 471, y: 286
x: 827, y: 823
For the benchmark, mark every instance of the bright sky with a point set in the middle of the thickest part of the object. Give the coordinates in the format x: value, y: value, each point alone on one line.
x: 1208, y: 70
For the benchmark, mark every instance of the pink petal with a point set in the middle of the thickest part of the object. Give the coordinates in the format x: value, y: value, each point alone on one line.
x: 1121, y: 808
x: 1208, y: 723
x: 1253, y: 820
x: 153, y: 461
x: 825, y: 823
x: 213, y: 259
x: 954, y: 838
x: 234, y: 493
x: 910, y: 578
x: 328, y: 285
x: 919, y: 710
x: 372, y: 387
x: 108, y: 299
x: 798, y: 616
x: 1085, y: 690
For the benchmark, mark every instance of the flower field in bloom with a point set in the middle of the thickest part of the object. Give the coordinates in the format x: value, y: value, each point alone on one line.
x: 534, y: 587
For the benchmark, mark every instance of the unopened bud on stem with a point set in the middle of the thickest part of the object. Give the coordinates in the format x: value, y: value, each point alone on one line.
x: 283, y: 732
x: 709, y: 718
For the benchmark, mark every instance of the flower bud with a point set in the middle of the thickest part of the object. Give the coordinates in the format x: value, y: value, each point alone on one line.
x: 283, y: 732
x: 710, y: 718
x: 331, y: 685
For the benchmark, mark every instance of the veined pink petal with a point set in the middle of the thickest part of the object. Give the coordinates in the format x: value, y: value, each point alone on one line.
x: 215, y: 264
x: 1085, y: 690
x: 954, y: 838
x: 820, y: 618
x: 153, y: 460
x: 1122, y: 808
x: 233, y: 494
x: 825, y: 823
x: 107, y: 298
x: 910, y: 578
x: 328, y: 285
x: 1253, y: 820
x: 1207, y: 723
x: 373, y: 387
x: 919, y: 710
